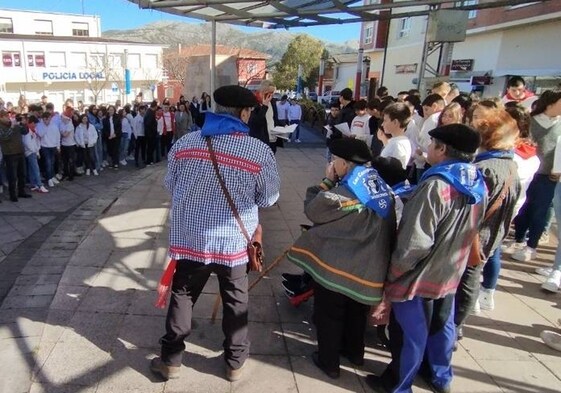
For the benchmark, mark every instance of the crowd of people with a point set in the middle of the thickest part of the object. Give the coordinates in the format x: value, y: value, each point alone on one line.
x: 417, y: 200
x: 41, y: 147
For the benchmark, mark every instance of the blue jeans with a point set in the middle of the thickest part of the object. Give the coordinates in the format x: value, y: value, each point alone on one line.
x: 123, y: 149
x: 297, y: 130
x: 491, y: 270
x: 557, y: 207
x: 48, y: 154
x: 532, y: 216
x: 33, y: 170
x: 420, y: 328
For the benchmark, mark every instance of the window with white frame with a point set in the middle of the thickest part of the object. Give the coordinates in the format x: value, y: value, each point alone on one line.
x: 133, y: 60
x: 97, y: 62
x: 6, y: 25
x: 57, y: 59
x: 150, y: 61
x: 43, y: 27
x: 472, y: 14
x: 404, y: 27
x: 36, y: 59
x: 115, y: 60
x: 368, y: 35
x: 78, y: 59
x: 80, y: 29
x: 11, y: 59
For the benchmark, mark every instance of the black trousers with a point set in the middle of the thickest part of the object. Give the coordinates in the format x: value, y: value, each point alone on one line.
x: 150, y: 149
x: 188, y: 282
x: 340, y: 324
x: 15, y: 172
x: 165, y: 144
x: 113, y: 150
x: 467, y: 294
x: 68, y: 154
x: 140, y: 149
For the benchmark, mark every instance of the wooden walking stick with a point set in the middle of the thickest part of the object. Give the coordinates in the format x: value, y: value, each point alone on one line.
x: 218, y: 299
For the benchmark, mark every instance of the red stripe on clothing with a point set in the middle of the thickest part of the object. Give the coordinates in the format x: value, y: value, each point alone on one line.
x: 208, y: 255
x: 225, y: 159
x: 422, y: 288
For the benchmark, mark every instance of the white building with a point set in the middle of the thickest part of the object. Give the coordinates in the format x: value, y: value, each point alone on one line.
x: 64, y: 56
x: 500, y: 42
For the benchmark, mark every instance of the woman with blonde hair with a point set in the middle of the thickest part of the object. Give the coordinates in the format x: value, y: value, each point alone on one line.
x: 499, y: 134
x: 451, y: 114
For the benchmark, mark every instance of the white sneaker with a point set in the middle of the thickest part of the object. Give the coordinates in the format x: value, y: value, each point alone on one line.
x: 51, y: 183
x: 42, y: 190
x: 553, y: 282
x: 123, y: 162
x: 524, y: 255
x: 551, y: 339
x: 55, y: 180
x: 87, y: 172
x: 95, y: 173
x: 544, y: 271
x: 104, y: 163
x: 58, y: 176
x: 544, y: 239
x: 80, y: 170
x: 486, y: 300
x: 512, y: 247
x: 297, y: 141
x: 476, y: 308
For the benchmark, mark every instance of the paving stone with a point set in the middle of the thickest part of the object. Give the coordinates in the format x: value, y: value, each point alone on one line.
x: 68, y: 297
x: 121, y: 278
x: 37, y: 289
x: 532, y: 377
x: 99, y: 329
x: 143, y: 304
x: 68, y: 388
x: 266, y: 339
x: 142, y: 331
x: 300, y: 338
x: 22, y: 323
x: 277, y: 369
x: 29, y: 301
x: 202, y: 374
x: 90, y: 257
x: 106, y: 300
x: 48, y: 270
x: 79, y: 275
x: 34, y: 279
x: 129, y: 372
x: 68, y: 363
x: 491, y: 343
x: 15, y: 368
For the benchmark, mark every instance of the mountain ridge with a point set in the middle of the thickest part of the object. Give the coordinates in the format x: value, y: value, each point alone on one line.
x: 171, y: 33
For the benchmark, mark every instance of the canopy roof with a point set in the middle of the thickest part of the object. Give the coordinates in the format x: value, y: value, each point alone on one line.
x: 275, y: 14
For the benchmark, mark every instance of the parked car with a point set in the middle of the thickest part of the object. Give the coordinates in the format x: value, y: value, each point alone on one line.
x: 313, y: 96
x: 329, y: 96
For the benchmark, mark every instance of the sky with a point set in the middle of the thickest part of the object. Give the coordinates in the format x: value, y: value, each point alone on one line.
x: 122, y: 14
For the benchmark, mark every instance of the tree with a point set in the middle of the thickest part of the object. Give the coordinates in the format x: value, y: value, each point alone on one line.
x: 302, y: 50
x: 98, y: 69
x: 175, y: 65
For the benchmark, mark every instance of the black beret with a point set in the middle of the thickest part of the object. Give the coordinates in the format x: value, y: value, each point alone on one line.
x: 351, y: 149
x: 389, y: 169
x: 458, y: 136
x: 234, y: 96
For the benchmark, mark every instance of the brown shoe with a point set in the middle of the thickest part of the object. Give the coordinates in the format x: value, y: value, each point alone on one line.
x: 166, y: 372
x: 234, y: 375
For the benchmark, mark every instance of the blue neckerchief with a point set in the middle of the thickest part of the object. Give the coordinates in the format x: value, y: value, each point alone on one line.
x: 370, y: 189
x: 222, y: 124
x: 494, y: 154
x: 403, y: 189
x: 464, y: 177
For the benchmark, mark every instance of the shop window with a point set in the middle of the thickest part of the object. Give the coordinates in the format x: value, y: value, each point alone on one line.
x: 80, y: 29
x: 11, y: 59
x: 43, y: 27
x: 36, y: 59
x: 6, y: 25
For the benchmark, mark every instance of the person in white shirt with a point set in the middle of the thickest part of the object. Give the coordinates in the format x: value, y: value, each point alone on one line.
x: 126, y: 126
x: 396, y: 118
x: 433, y: 104
x: 50, y: 143
x: 360, y: 128
x: 68, y: 147
x: 283, y: 107
x: 294, y: 117
x: 86, y: 139
x: 140, y: 139
x: 32, y: 146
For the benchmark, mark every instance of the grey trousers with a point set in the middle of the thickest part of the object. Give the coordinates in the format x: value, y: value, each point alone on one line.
x: 188, y: 282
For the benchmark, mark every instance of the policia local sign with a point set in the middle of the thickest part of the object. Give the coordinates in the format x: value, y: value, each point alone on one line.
x: 68, y: 76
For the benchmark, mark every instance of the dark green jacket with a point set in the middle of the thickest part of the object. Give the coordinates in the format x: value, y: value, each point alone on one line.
x: 11, y: 139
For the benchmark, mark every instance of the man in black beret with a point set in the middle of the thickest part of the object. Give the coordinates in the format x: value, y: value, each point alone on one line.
x: 204, y: 237
x: 436, y: 230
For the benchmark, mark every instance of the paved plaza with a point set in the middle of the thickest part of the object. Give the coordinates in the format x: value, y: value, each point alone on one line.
x: 80, y: 268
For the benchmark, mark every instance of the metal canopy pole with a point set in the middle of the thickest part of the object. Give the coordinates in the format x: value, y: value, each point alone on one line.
x: 213, y: 59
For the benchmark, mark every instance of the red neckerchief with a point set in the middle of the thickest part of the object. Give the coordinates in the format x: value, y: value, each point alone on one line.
x: 527, y: 94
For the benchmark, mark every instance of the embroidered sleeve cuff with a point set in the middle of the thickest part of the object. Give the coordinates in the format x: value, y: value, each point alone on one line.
x: 326, y: 184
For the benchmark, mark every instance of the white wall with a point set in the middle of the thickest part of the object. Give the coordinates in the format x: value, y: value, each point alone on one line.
x: 23, y: 22
x: 344, y: 76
